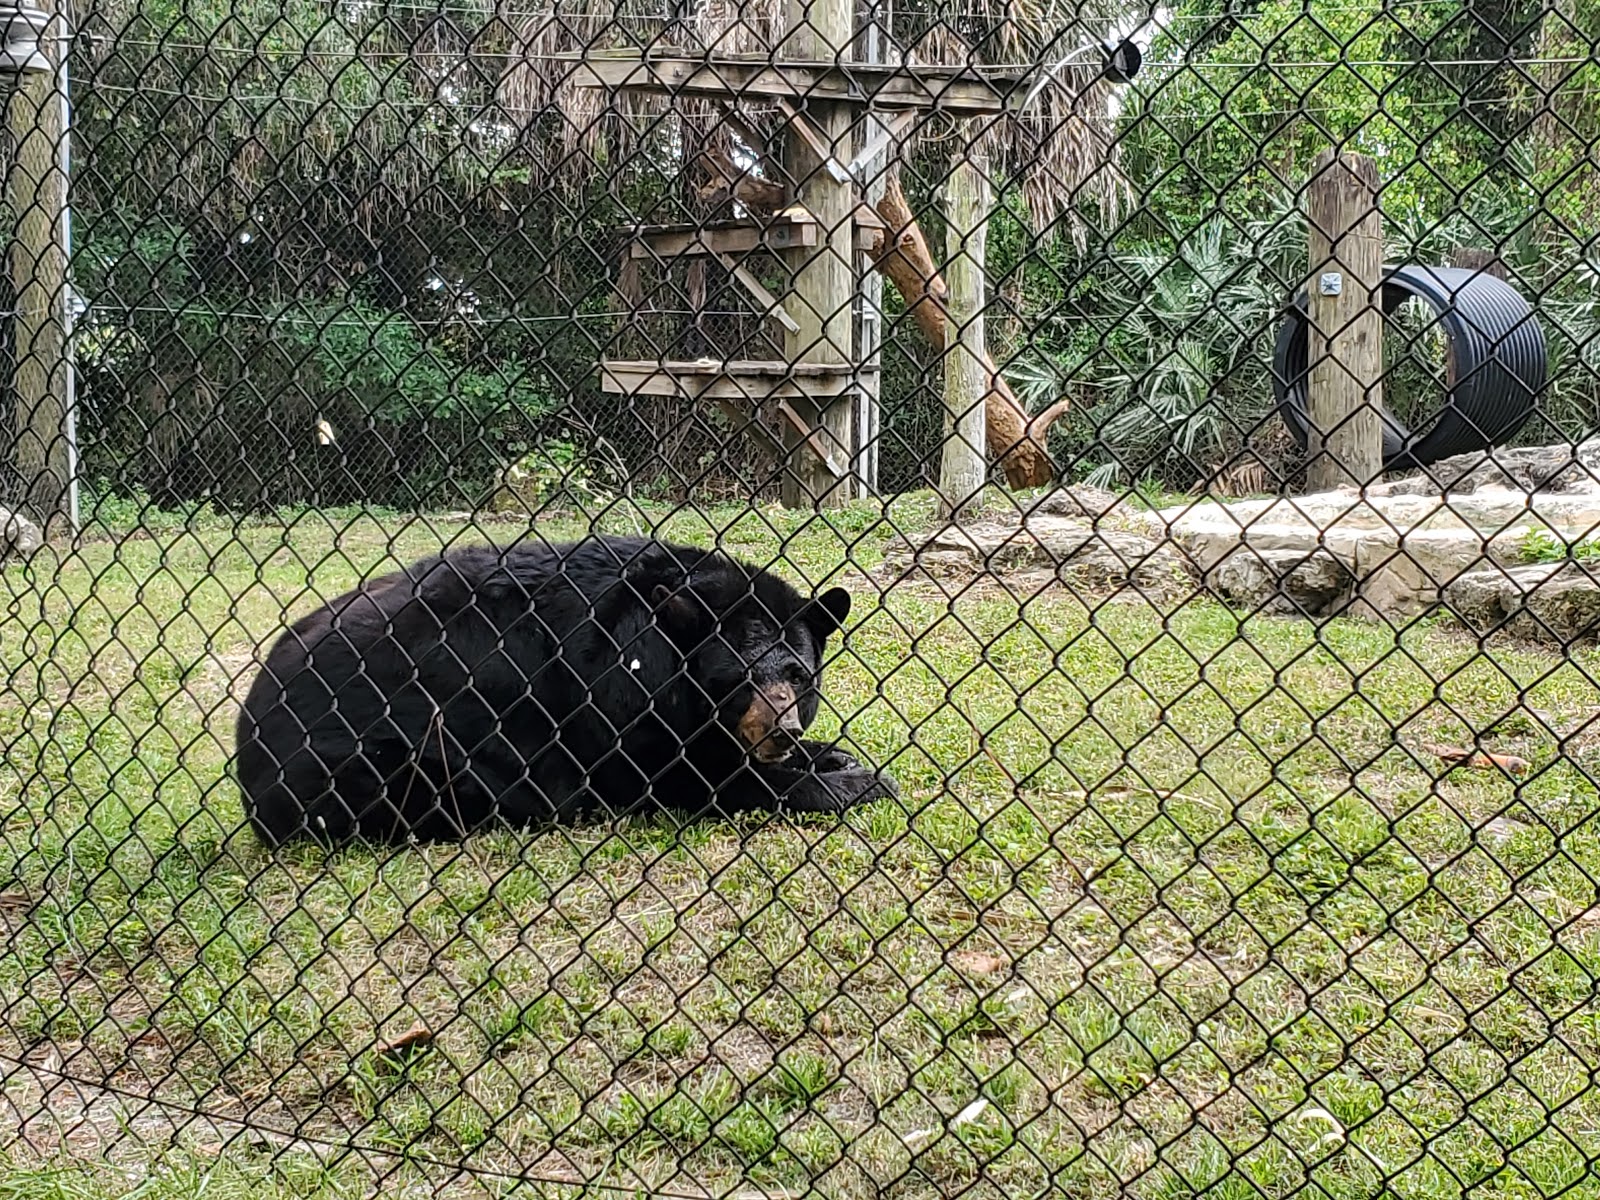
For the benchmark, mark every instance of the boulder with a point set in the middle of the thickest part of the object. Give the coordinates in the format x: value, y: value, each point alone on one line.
x: 1283, y: 581
x: 18, y: 535
x: 1556, y: 603
x: 1560, y: 468
x: 1078, y: 500
x: 1041, y: 549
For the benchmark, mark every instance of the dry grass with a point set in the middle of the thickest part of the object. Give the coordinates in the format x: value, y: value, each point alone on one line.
x: 1164, y: 893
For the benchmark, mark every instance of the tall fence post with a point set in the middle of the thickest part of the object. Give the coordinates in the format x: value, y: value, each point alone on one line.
x: 966, y: 369
x: 1345, y: 388
x: 869, y: 295
x: 44, y: 434
x: 824, y: 275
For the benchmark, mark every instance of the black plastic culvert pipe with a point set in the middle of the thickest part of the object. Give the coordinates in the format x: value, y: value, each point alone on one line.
x: 1497, y: 357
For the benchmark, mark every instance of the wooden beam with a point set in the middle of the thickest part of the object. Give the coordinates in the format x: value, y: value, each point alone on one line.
x: 768, y: 302
x: 786, y: 232
x: 958, y: 91
x: 813, y: 139
x: 748, y: 422
x: 748, y: 380
x: 1345, y: 387
x: 962, y: 469
x: 822, y: 301
x: 812, y: 441
x: 689, y: 241
x: 42, y: 410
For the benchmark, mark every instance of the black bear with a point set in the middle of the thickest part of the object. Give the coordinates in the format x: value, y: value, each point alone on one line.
x: 540, y: 683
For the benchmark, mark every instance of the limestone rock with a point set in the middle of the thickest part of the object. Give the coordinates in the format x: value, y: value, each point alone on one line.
x: 1559, y: 468
x: 18, y: 535
x: 1284, y: 581
x: 1457, y: 533
x: 1546, y: 602
x: 1078, y: 500
x: 1067, y: 549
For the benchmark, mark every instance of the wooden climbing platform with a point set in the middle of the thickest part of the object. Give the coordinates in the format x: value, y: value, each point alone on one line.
x: 786, y: 231
x: 954, y: 90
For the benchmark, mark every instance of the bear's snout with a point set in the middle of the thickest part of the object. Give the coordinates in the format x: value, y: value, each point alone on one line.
x: 771, y: 726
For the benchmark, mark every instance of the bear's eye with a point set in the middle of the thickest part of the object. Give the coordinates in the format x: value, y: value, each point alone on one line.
x: 796, y: 676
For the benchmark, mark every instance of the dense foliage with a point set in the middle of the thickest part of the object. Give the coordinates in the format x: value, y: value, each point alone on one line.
x: 322, y: 262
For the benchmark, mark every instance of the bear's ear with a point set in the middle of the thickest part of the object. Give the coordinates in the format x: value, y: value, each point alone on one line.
x: 676, y: 606
x: 827, y: 612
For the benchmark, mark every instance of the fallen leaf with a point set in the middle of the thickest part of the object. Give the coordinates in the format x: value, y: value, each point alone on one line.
x: 1503, y: 829
x: 977, y: 962
x: 404, y: 1048
x: 970, y: 1113
x: 1477, y: 760
x: 1335, y: 1136
x: 967, y: 1115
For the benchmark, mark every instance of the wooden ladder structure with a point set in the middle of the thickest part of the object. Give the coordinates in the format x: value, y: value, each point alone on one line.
x: 823, y: 236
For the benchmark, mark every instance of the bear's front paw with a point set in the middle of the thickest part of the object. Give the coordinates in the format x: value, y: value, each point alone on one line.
x: 829, y: 760
x: 858, y: 785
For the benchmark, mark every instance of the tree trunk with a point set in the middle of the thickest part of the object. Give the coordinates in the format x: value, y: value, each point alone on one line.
x: 904, y: 259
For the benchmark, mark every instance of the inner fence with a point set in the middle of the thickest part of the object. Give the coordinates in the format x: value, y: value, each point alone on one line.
x: 1137, y: 736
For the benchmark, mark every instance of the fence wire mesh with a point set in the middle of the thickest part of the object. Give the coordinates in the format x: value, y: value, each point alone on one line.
x: 1169, y: 429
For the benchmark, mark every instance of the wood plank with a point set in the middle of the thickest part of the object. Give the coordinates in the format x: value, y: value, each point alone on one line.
x: 1344, y: 227
x: 688, y: 241
x: 960, y: 91
x: 769, y: 303
x: 747, y: 380
x: 749, y: 424
x: 812, y: 440
x: 664, y: 242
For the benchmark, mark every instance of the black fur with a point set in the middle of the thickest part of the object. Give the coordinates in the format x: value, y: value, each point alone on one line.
x: 538, y: 683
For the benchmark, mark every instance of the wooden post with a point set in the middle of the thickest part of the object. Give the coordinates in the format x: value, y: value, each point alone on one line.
x: 1483, y: 260
x: 1345, y: 388
x: 869, y: 285
x: 822, y: 302
x: 966, y: 368
x: 38, y: 187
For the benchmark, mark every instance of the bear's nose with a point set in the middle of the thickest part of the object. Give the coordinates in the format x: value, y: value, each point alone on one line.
x: 771, y: 725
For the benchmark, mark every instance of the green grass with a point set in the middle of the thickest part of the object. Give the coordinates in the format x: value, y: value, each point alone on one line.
x: 1165, y: 891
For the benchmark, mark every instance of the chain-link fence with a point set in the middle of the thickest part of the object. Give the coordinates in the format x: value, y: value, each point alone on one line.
x: 1177, y: 819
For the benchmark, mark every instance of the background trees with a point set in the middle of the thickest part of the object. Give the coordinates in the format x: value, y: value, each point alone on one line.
x: 335, y: 252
